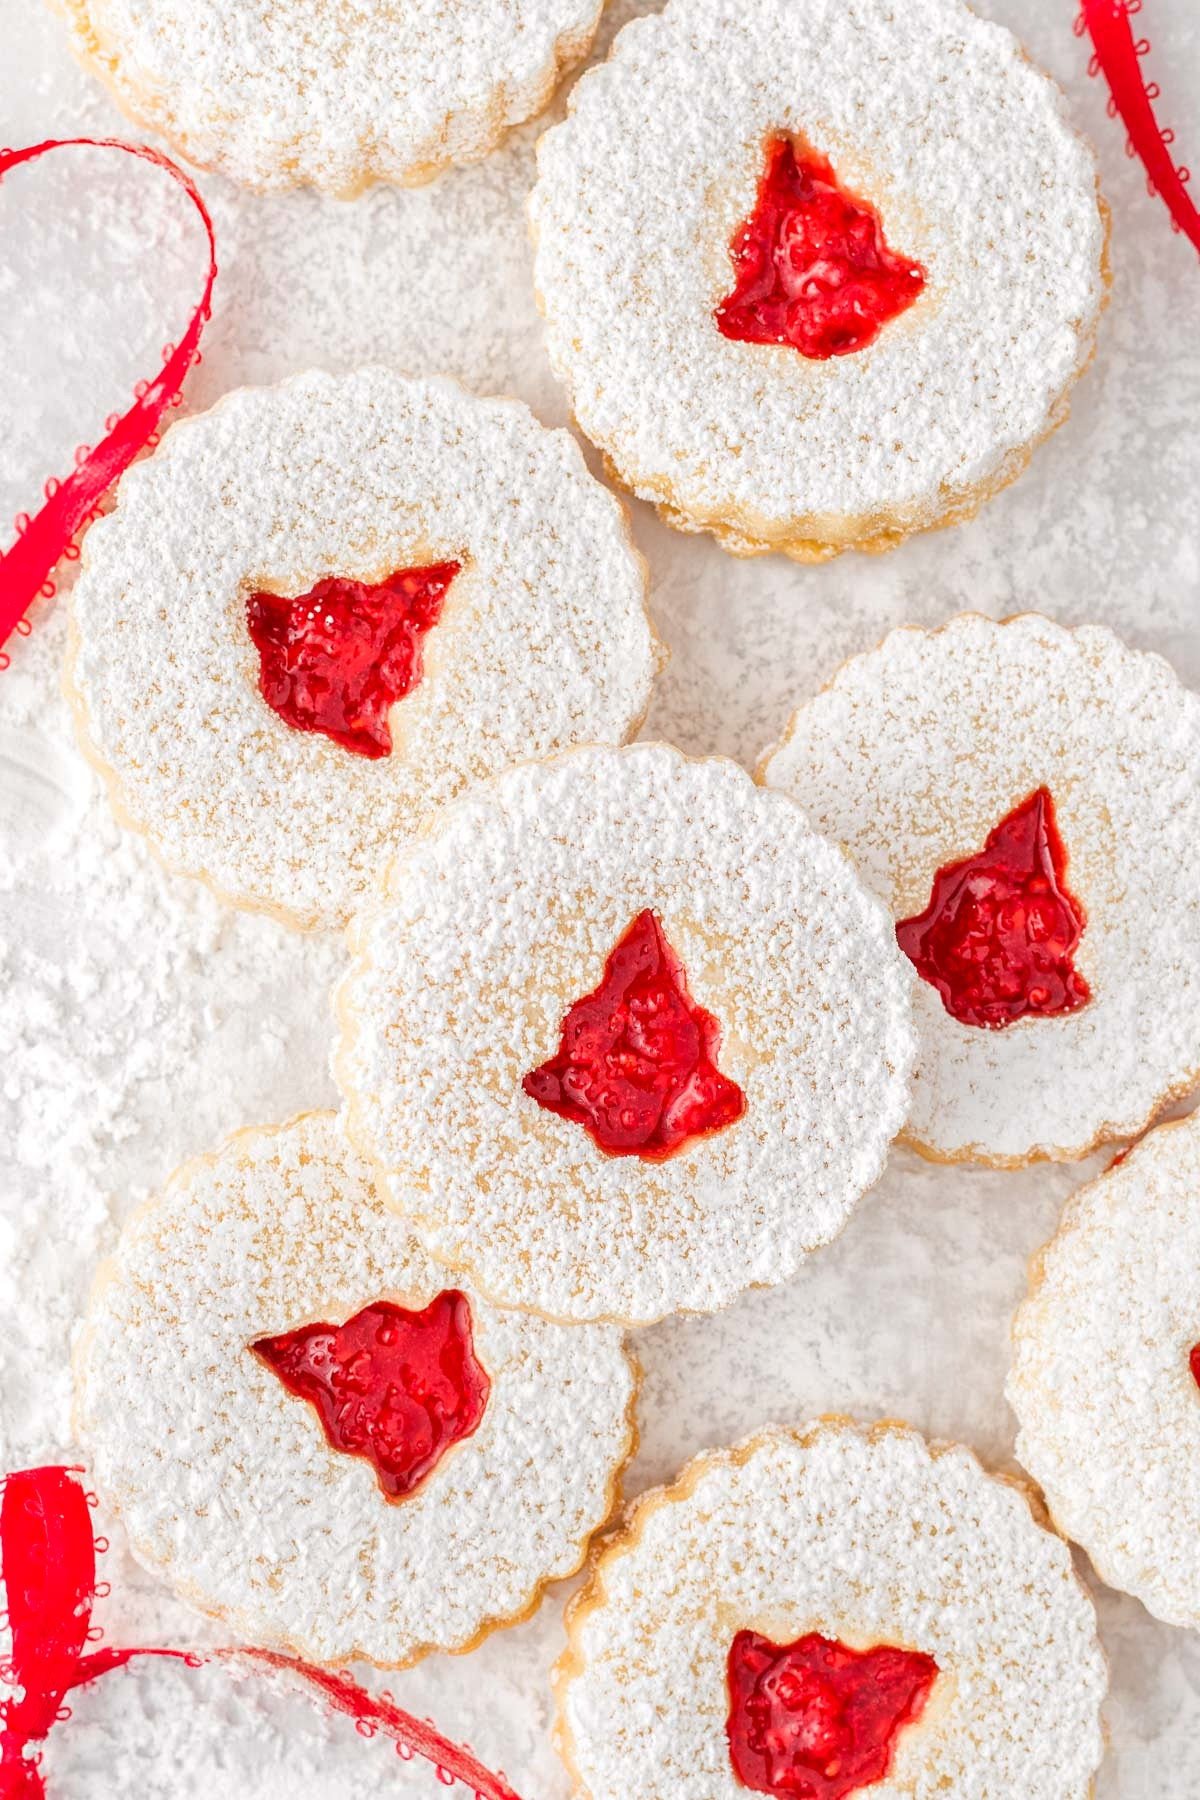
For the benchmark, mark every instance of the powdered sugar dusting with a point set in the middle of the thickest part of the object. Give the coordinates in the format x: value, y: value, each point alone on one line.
x: 286, y: 91
x: 505, y: 914
x: 867, y: 1537
x: 1108, y: 1408
x: 114, y: 1048
x: 966, y: 150
x: 192, y: 1020
x: 225, y: 1481
x: 918, y: 749
x: 543, y: 639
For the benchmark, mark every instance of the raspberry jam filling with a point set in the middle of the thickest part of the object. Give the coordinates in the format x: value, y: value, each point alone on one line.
x: 815, y: 1720
x: 636, y: 1063
x: 811, y: 267
x: 336, y: 658
x: 1194, y: 1364
x: 1001, y: 929
x: 396, y: 1387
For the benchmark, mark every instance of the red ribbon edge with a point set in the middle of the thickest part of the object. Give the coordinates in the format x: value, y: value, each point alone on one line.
x: 25, y: 568
x: 1118, y: 54
x: 48, y: 1568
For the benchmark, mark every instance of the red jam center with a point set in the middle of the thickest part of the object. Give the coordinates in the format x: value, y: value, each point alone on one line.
x: 810, y: 264
x: 335, y: 659
x: 1194, y: 1364
x: 636, y: 1061
x: 1000, y: 931
x: 815, y: 1720
x: 396, y: 1387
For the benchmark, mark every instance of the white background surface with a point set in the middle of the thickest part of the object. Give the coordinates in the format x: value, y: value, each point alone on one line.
x: 139, y: 1022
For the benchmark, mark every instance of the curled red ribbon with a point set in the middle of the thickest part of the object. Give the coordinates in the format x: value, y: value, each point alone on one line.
x: 1118, y: 54
x: 44, y: 538
x: 48, y: 1562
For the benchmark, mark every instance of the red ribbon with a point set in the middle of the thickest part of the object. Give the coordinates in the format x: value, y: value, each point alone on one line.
x: 48, y: 1562
x: 26, y: 568
x: 1118, y: 54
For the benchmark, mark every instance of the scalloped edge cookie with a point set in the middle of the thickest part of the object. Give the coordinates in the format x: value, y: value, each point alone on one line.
x: 251, y: 1138
x: 624, y: 1535
x: 466, y: 136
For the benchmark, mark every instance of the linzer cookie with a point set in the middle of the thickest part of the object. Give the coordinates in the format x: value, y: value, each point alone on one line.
x: 623, y: 1036
x: 1026, y: 801
x: 322, y: 609
x: 817, y: 275
x: 275, y: 93
x: 312, y: 1431
x: 1105, y: 1380
x: 826, y: 1613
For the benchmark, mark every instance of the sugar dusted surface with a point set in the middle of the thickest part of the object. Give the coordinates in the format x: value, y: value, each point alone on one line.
x: 279, y: 92
x: 969, y: 155
x: 917, y: 750
x: 225, y: 1480
x: 141, y: 1021
x: 504, y: 915
x: 1107, y: 1408
x: 542, y: 641
x: 867, y: 1537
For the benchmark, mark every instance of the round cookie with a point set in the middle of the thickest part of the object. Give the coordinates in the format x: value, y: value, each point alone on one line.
x: 830, y: 1612
x: 817, y: 275
x: 1026, y: 801
x: 323, y: 609
x: 1105, y: 1380
x: 624, y: 1037
x: 279, y: 93
x: 311, y: 1433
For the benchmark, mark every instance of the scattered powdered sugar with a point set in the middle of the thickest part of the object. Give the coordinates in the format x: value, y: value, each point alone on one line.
x: 191, y: 1021
x: 888, y: 1541
x: 1107, y: 1406
x: 542, y: 641
x: 504, y: 914
x: 278, y: 92
x: 966, y: 149
x: 917, y: 750
x: 225, y: 1480
x: 140, y: 1021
